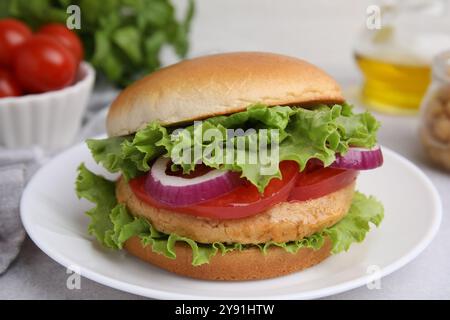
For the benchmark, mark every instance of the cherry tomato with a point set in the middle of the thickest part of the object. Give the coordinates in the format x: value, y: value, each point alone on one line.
x: 319, y: 182
x: 8, y: 85
x: 242, y: 202
x: 66, y: 37
x: 42, y: 64
x: 13, y: 33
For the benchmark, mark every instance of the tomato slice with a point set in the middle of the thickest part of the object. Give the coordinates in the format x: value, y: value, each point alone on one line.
x: 316, y: 183
x: 245, y: 200
x: 242, y: 202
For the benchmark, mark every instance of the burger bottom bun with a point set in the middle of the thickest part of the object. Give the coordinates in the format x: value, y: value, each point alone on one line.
x: 249, y: 264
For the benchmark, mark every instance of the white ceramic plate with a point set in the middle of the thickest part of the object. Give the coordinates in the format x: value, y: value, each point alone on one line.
x: 54, y: 219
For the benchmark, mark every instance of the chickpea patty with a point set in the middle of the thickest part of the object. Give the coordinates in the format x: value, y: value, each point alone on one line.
x: 285, y: 221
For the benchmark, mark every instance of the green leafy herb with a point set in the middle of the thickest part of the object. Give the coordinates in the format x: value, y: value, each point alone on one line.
x: 122, y: 38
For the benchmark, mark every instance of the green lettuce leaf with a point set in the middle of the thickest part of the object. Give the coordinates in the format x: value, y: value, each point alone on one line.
x: 201, y: 253
x: 125, y: 226
x: 303, y: 134
x: 100, y: 191
x: 109, y: 153
x: 356, y: 224
x: 112, y: 225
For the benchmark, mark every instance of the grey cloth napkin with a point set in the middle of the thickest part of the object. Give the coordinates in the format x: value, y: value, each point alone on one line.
x: 16, y: 166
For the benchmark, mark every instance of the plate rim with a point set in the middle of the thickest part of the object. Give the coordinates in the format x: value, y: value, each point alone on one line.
x: 312, y: 294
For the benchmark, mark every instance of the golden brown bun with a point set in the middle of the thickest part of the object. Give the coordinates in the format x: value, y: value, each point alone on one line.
x: 248, y: 264
x: 219, y: 84
x: 286, y: 221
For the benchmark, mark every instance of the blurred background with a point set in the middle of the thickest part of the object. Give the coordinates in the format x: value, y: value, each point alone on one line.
x: 389, y: 56
x: 381, y: 52
x: 322, y: 32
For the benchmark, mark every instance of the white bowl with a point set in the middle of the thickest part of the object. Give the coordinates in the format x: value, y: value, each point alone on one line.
x: 50, y: 120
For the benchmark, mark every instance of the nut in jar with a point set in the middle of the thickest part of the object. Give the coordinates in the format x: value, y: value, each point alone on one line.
x: 435, y: 122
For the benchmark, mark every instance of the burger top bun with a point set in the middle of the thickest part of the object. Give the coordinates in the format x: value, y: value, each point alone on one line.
x: 219, y: 84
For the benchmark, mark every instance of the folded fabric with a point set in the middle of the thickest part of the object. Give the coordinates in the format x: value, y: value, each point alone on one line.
x: 16, y: 167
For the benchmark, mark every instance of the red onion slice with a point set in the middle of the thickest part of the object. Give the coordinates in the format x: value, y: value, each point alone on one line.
x: 178, y: 191
x: 359, y: 159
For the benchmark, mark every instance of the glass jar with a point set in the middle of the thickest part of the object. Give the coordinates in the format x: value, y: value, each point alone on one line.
x: 435, y: 113
x: 395, y: 59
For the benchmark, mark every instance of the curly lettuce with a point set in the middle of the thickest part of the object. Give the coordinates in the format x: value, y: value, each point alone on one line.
x: 303, y: 134
x: 112, y: 225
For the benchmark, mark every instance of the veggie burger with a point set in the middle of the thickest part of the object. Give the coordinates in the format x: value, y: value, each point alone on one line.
x: 233, y: 166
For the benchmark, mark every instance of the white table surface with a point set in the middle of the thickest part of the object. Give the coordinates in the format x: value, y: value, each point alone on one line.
x: 323, y: 33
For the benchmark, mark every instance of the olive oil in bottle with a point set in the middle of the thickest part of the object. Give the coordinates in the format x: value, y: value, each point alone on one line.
x: 394, y: 51
x: 393, y: 87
